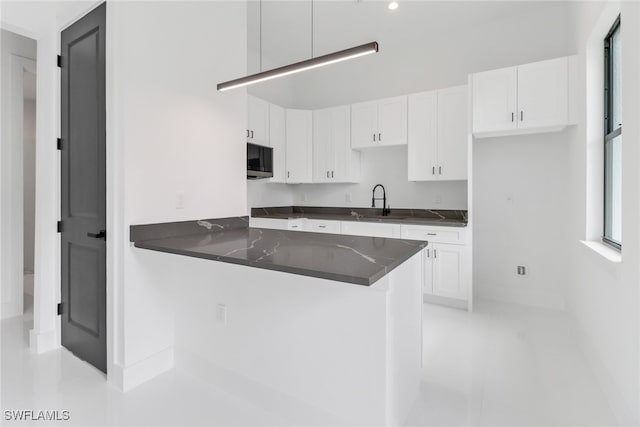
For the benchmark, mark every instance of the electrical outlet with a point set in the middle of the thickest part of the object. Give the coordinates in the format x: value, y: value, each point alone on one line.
x: 522, y: 271
x: 221, y: 314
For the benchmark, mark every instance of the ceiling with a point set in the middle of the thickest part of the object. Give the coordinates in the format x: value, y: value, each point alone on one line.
x: 286, y: 25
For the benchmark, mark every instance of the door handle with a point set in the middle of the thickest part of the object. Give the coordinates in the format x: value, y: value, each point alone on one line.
x: 521, y: 115
x: 102, y: 235
x: 374, y: 137
x: 327, y: 174
x: 427, y: 253
x: 435, y: 254
x: 247, y: 133
x: 379, y: 137
x: 439, y: 170
x: 512, y: 116
x: 251, y: 134
x: 433, y: 170
x: 331, y: 174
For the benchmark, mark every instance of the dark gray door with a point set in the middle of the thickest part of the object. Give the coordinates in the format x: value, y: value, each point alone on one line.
x: 83, y: 192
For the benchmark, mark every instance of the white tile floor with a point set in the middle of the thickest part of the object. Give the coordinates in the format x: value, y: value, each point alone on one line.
x: 500, y: 365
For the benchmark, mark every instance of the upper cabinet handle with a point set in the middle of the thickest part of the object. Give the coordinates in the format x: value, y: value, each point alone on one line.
x: 433, y: 170
x: 331, y: 174
x: 521, y: 115
x: 379, y: 137
x: 251, y: 134
x: 327, y: 174
x: 512, y: 116
x: 247, y: 133
x: 374, y: 137
x: 439, y: 170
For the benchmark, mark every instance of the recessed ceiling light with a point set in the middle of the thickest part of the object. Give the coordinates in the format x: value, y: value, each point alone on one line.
x: 393, y: 5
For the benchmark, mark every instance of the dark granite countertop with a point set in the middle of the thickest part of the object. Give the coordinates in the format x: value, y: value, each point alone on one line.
x: 447, y: 218
x: 350, y: 259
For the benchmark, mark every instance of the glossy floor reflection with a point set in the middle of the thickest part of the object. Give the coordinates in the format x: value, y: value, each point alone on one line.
x: 500, y: 365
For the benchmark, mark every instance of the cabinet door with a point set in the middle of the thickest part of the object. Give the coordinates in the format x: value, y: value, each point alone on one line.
x: 452, y: 133
x: 322, y: 146
x: 494, y: 100
x: 392, y: 121
x: 298, y: 132
x: 542, y: 94
x: 345, y: 162
x: 364, y: 121
x: 448, y: 271
x: 258, y: 121
x: 427, y: 286
x: 277, y: 141
x: 423, y: 136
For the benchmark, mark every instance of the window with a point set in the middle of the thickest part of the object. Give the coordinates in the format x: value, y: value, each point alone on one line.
x: 612, y: 233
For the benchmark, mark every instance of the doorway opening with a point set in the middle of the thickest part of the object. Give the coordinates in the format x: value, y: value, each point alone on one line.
x: 17, y: 174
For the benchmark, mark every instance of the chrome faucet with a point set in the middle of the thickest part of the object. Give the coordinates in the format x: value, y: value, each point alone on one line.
x: 385, y: 209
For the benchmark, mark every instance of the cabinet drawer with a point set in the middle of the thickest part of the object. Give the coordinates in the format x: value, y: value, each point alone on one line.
x: 322, y: 226
x: 278, y: 224
x: 296, y: 224
x: 434, y: 234
x: 371, y: 229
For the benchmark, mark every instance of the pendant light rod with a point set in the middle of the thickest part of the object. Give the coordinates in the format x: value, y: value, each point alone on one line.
x: 297, y: 67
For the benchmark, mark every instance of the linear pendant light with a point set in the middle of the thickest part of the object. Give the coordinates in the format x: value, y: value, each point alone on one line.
x: 308, y: 64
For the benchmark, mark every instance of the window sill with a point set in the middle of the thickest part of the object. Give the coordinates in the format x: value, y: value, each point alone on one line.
x: 603, y: 250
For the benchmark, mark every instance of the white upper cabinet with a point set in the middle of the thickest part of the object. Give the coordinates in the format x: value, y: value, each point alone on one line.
x: 543, y: 94
x: 422, y: 146
x: 437, y: 135
x: 453, y: 105
x: 299, y: 134
x: 494, y: 100
x: 392, y: 121
x: 333, y: 158
x: 525, y: 99
x: 278, y: 142
x: 379, y: 123
x: 257, y: 121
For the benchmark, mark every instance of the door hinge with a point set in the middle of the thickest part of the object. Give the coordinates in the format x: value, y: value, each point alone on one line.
x: 59, y: 61
x: 59, y: 226
x: 60, y: 308
x: 59, y: 144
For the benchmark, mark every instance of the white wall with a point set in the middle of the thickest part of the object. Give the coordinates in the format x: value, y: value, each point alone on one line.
x: 29, y: 183
x: 604, y: 295
x: 179, y: 154
x: 520, y: 201
x: 387, y: 167
x: 17, y: 53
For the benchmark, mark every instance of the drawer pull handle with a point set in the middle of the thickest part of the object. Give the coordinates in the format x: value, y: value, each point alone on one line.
x: 322, y: 226
x: 432, y: 234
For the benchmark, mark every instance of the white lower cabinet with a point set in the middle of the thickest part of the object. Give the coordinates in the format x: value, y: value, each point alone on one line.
x: 373, y: 229
x: 444, y: 271
x: 321, y: 226
x: 447, y: 258
x: 447, y: 266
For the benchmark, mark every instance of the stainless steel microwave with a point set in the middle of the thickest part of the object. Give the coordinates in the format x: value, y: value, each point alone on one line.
x: 259, y: 161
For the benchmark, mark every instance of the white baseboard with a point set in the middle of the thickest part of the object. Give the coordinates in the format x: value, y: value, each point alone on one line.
x: 448, y: 302
x: 41, y: 342
x: 126, y: 378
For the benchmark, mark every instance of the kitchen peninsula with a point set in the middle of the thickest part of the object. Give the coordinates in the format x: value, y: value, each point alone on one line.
x: 336, y: 319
